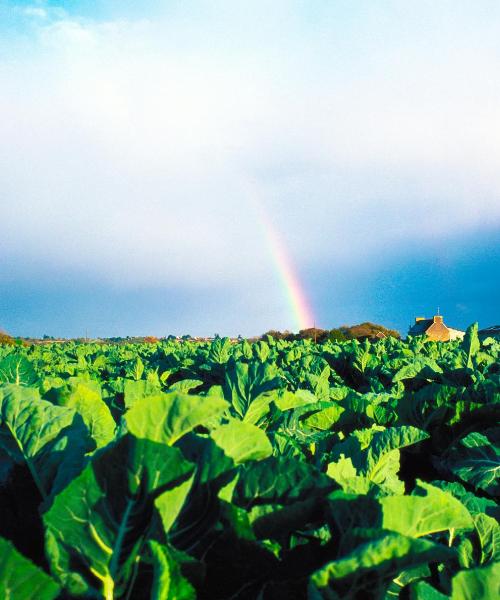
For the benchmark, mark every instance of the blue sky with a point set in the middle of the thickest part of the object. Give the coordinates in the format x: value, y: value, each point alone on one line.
x: 133, y: 136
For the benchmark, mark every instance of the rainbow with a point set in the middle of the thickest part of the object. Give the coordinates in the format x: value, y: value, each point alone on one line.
x: 298, y: 302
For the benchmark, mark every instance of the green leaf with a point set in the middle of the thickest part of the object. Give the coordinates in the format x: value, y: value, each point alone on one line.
x: 326, y: 418
x: 237, y: 519
x: 380, y: 456
x: 280, y: 480
x: 220, y: 350
x: 488, y: 531
x: 135, y: 390
x: 262, y: 351
x: 476, y: 461
x: 286, y: 400
x: 20, y: 579
x: 93, y: 533
x: 168, y: 582
x: 18, y: 370
x: 423, y: 514
x: 423, y: 591
x: 242, y: 442
x: 258, y: 409
x: 375, y: 456
x: 244, y: 382
x: 466, y: 553
x: 477, y: 584
x: 341, y: 470
x: 170, y: 503
x: 136, y: 369
x: 85, y: 397
x: 474, y: 504
x: 471, y: 344
x: 185, y: 385
x: 422, y: 367
x: 282, y: 522
x: 405, y: 578
x: 28, y: 425
x: 391, y: 553
x: 167, y: 417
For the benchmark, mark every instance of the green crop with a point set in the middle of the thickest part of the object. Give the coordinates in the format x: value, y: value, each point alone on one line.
x: 273, y: 470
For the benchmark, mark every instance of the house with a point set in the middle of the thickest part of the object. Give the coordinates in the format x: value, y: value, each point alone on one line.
x: 435, y: 329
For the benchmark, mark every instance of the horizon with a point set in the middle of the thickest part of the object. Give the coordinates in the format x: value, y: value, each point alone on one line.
x: 184, y: 168
x: 161, y: 337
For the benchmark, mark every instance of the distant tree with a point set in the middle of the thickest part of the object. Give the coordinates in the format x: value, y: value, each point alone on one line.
x: 277, y: 335
x: 151, y: 339
x: 337, y: 335
x: 313, y: 333
x: 367, y: 330
x: 6, y: 339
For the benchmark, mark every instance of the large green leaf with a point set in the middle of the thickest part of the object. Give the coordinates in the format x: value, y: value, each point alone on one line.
x: 280, y: 523
x: 380, y: 452
x: 170, y: 503
x: 246, y: 381
x: 185, y: 385
x: 259, y: 408
x: 167, y: 417
x: 374, y: 454
x: 135, y: 390
x: 286, y: 400
x: 29, y: 428
x: 85, y: 397
x: 18, y: 370
x: 427, y: 407
x: 347, y: 511
x: 242, y: 441
x: 422, y: 367
x: 201, y: 511
x: 424, y: 591
x: 324, y: 419
x: 28, y: 423
x: 473, y: 503
x: 488, y: 532
x: 385, y: 556
x: 476, y: 460
x: 220, y: 350
x: 20, y: 579
x: 429, y: 510
x: 471, y: 344
x: 477, y: 584
x: 280, y: 480
x: 97, y: 526
x: 168, y: 582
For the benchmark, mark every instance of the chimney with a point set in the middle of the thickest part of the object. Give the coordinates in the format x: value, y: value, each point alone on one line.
x: 417, y: 319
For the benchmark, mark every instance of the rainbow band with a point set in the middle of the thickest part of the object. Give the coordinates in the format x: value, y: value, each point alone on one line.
x: 300, y: 308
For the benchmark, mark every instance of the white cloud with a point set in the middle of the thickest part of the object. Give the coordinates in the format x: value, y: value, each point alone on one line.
x: 35, y: 11
x: 129, y: 148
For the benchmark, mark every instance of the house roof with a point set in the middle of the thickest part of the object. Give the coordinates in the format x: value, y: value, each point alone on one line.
x: 420, y: 327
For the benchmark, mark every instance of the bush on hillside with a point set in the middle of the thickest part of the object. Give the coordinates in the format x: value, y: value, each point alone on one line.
x: 368, y: 330
x: 6, y: 339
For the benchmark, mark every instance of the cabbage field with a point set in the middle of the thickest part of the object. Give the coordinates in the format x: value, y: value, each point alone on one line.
x: 233, y: 470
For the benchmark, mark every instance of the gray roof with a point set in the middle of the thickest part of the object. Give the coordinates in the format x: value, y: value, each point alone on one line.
x: 420, y: 327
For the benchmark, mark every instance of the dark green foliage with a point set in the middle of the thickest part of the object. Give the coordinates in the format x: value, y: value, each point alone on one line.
x: 344, y: 469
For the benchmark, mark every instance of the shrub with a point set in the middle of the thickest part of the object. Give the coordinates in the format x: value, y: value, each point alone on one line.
x: 6, y: 339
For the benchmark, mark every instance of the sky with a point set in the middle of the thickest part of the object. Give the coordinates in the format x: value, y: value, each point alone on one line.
x: 200, y: 167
